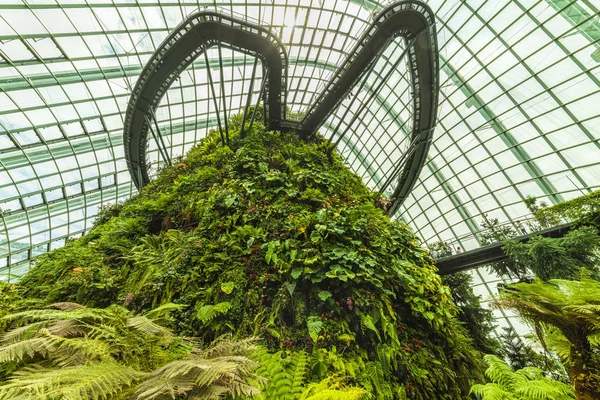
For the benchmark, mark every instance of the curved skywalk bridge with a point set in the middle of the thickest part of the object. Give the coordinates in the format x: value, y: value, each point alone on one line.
x: 492, y: 253
x: 411, y: 19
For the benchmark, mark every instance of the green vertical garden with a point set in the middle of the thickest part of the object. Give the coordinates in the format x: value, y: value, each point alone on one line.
x: 269, y: 237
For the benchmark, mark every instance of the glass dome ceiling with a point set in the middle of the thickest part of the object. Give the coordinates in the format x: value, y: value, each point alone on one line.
x: 519, y: 106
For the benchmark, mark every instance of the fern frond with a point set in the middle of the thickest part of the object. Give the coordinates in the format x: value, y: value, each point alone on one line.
x: 207, y: 313
x: 67, y: 328
x: 91, y: 381
x: 14, y: 335
x: 65, y: 306
x: 545, y: 389
x: 183, y: 376
x: 145, y: 325
x: 225, y: 346
x: 499, y: 372
x: 38, y: 345
x: 163, y: 313
x: 334, y: 388
x: 492, y: 391
x: 78, y: 351
x: 525, y: 384
x: 24, y: 317
x: 354, y: 393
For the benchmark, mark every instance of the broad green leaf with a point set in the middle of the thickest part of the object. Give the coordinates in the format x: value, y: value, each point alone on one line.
x: 324, y: 295
x: 290, y: 286
x: 296, y: 272
x: 314, y: 325
x: 227, y: 287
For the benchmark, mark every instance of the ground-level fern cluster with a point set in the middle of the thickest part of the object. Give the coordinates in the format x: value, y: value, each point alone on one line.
x: 274, y: 237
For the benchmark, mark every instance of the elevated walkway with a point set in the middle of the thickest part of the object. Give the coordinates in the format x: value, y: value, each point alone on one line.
x: 491, y: 253
x: 410, y: 19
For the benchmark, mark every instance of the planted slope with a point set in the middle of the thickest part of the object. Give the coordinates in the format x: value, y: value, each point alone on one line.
x: 276, y: 237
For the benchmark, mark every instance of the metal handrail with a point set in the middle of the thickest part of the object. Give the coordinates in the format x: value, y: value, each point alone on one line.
x: 529, y: 224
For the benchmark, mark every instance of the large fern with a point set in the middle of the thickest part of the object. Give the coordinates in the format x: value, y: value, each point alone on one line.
x: 88, y: 381
x: 528, y: 383
x: 566, y: 317
x: 81, y: 353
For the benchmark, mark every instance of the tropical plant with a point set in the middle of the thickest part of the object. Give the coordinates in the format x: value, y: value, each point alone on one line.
x: 528, y: 383
x: 69, y: 351
x: 567, y: 312
x: 544, y: 220
x: 492, y: 231
x: 334, y: 388
x: 478, y: 321
x: 582, y: 211
x: 560, y: 258
x: 520, y: 355
x: 274, y: 236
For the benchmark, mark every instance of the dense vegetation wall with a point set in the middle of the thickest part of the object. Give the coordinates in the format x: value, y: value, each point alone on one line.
x: 274, y: 237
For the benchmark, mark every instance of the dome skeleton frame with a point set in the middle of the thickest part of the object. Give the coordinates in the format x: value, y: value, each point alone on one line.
x: 412, y: 20
x: 470, y: 170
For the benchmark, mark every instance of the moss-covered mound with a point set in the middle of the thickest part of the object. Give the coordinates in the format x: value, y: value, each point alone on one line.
x: 276, y: 237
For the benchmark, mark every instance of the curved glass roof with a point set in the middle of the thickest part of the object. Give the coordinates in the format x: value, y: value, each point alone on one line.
x: 518, y: 106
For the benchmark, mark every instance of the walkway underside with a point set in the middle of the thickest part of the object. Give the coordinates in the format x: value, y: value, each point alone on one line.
x: 410, y: 19
x: 492, y: 253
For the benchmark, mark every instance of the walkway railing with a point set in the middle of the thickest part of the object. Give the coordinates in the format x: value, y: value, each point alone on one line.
x: 526, y: 225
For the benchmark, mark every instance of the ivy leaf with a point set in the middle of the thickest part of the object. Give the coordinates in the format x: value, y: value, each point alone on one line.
x: 324, y: 295
x: 227, y: 287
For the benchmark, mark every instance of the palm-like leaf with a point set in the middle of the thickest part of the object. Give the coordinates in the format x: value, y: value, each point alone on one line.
x: 526, y: 384
x: 90, y: 381
x: 180, y: 377
x: 41, y: 345
x: 147, y: 326
x: 566, y: 315
x: 65, y: 306
x: 99, y: 353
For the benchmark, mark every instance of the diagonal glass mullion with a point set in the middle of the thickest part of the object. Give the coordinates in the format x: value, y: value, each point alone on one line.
x: 547, y: 187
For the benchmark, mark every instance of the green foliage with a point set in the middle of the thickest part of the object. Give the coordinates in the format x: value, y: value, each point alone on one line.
x: 9, y: 300
x: 560, y: 258
x: 334, y: 388
x: 222, y: 370
x: 518, y: 354
x: 583, y: 210
x: 286, y: 373
x: 274, y: 236
x: 492, y: 232
x: 478, y: 321
x: 525, y: 384
x: 564, y: 311
x: 73, y: 352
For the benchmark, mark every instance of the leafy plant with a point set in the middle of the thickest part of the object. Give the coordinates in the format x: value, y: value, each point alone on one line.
x: 492, y: 232
x: 69, y: 351
x: 564, y: 311
x: 527, y: 383
x: 583, y: 210
x: 274, y: 236
x: 560, y: 258
x: 478, y: 321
